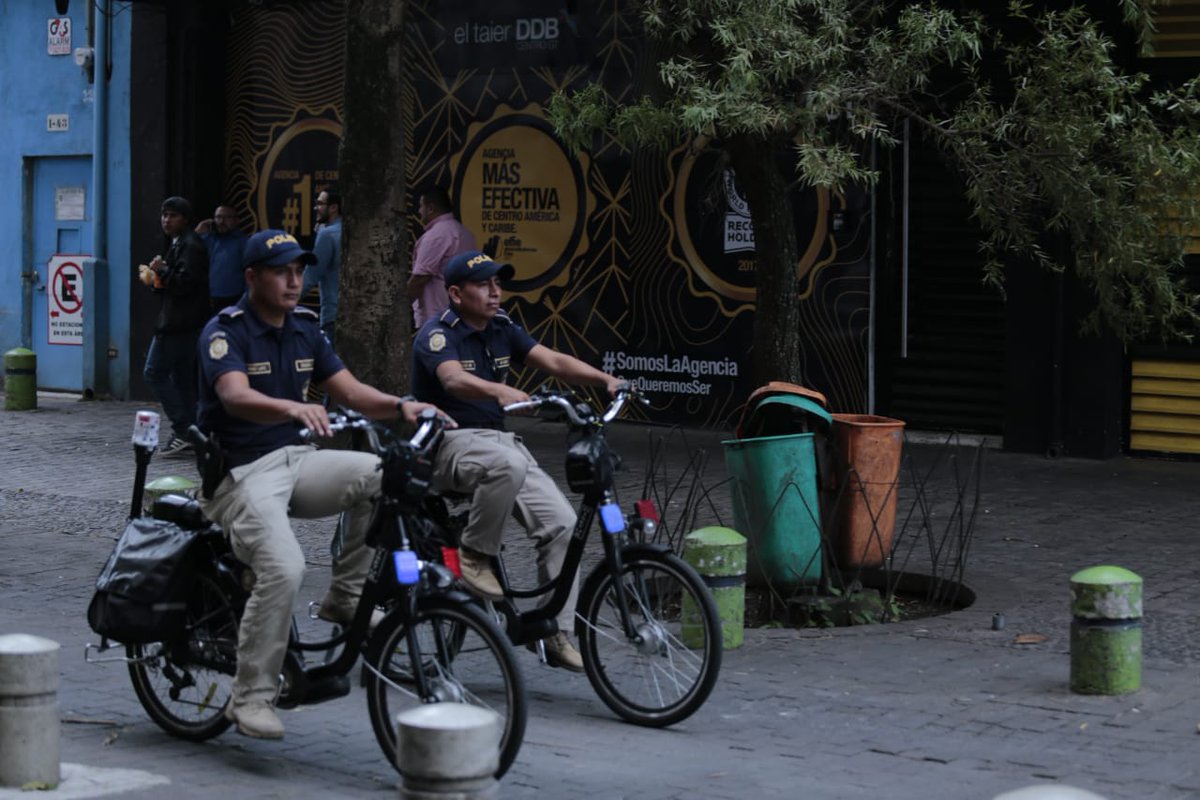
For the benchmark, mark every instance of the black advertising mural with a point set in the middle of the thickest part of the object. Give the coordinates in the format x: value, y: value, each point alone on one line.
x: 524, y: 196
x: 286, y: 75
x: 640, y: 262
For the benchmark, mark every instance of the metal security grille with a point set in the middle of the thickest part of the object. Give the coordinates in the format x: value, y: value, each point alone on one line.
x: 951, y: 377
x: 1165, y: 406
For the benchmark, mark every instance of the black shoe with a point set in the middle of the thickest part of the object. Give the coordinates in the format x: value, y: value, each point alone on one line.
x: 177, y: 446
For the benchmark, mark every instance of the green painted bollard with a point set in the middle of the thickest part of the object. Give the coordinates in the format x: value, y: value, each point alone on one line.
x: 168, y: 484
x: 719, y: 555
x: 20, y: 379
x: 1106, y: 631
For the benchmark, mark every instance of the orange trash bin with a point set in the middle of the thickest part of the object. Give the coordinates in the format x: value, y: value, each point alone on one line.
x: 870, y: 448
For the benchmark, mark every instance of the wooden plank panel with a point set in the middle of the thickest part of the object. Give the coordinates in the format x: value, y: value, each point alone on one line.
x: 1165, y: 405
x: 1165, y: 443
x: 1167, y: 369
x: 1165, y: 423
x: 1166, y: 387
x: 1177, y: 30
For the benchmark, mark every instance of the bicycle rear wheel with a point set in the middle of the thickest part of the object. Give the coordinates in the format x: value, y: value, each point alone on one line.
x: 465, y: 659
x: 184, y: 684
x: 665, y: 673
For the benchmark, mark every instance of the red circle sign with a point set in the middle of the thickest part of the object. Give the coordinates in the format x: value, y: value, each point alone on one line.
x: 64, y: 289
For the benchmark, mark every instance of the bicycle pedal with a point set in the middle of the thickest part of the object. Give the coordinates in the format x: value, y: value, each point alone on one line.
x: 329, y: 688
x: 313, y: 607
x: 539, y: 647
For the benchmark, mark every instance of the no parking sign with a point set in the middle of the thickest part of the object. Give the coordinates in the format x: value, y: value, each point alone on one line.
x: 64, y: 296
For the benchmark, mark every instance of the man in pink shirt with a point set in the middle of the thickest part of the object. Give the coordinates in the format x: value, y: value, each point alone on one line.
x: 444, y: 238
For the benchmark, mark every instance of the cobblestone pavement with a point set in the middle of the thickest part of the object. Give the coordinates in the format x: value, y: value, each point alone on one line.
x: 941, y: 707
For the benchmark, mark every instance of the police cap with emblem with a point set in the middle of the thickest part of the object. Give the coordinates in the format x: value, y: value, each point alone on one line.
x: 475, y: 265
x: 274, y: 249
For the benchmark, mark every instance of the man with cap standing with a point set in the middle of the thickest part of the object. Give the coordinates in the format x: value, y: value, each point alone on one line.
x: 460, y: 362
x: 181, y: 282
x: 258, y: 359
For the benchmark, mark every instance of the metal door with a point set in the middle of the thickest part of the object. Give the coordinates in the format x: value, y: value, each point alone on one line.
x: 62, y: 234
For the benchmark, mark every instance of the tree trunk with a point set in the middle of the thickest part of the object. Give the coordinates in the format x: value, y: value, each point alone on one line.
x: 374, y: 318
x: 776, y: 340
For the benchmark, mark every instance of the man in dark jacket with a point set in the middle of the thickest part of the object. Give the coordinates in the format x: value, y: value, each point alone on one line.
x: 181, y: 282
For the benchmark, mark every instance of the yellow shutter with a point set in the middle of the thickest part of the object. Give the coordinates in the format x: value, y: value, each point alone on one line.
x: 1165, y: 406
x: 1177, y: 29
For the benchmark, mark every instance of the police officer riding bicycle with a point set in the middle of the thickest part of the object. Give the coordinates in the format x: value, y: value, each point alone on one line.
x: 258, y: 358
x: 460, y: 362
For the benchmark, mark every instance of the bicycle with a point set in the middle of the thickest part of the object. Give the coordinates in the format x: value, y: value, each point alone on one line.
x: 648, y: 628
x: 432, y: 645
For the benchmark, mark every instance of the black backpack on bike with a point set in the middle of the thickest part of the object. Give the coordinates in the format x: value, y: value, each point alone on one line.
x: 140, y: 594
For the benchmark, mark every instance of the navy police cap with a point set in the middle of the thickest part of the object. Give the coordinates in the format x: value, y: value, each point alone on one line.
x: 475, y: 265
x: 274, y: 249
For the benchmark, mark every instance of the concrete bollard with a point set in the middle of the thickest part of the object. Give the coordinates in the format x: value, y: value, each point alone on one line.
x: 29, y: 723
x: 20, y: 379
x: 168, y: 484
x: 448, y: 751
x: 1106, y: 631
x: 719, y: 555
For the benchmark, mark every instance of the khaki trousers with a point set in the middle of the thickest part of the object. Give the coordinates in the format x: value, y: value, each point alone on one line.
x: 252, y: 505
x: 503, y: 478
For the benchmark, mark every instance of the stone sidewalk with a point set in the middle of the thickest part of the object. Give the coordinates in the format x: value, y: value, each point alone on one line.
x: 940, y: 707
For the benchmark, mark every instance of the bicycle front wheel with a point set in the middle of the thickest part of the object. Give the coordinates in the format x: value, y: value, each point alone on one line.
x: 464, y: 658
x: 666, y: 671
x: 184, y: 684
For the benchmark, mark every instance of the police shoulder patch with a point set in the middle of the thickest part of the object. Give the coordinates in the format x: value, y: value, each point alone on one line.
x: 218, y: 347
x: 437, y: 341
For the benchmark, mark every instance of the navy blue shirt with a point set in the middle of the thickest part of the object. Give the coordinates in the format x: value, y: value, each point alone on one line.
x: 226, y: 276
x: 279, y: 362
x: 485, y: 354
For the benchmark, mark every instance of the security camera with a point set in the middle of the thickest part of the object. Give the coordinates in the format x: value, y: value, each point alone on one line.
x: 84, y: 56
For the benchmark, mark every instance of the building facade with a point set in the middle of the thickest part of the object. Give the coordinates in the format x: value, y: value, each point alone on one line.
x: 640, y: 262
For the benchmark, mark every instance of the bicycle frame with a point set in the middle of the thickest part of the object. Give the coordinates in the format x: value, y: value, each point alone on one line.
x: 378, y: 590
x: 537, y: 623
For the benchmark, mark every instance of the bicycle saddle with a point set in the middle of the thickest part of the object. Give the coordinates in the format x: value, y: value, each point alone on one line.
x: 184, y: 511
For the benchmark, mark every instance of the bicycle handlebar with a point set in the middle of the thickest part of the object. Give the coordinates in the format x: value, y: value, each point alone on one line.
x: 580, y: 415
x: 429, y: 425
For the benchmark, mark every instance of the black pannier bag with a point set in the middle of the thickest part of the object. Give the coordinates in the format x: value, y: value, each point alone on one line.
x: 141, y: 594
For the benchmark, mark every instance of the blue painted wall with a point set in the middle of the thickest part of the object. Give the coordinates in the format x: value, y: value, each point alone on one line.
x: 33, y: 85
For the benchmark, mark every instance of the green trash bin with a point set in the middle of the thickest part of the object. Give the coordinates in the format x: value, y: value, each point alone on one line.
x: 775, y: 499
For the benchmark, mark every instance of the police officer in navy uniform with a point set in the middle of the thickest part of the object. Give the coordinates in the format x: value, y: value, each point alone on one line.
x: 258, y: 358
x: 460, y: 362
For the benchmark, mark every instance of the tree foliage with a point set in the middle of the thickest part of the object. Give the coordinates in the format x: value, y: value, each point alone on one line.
x: 1068, y: 160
